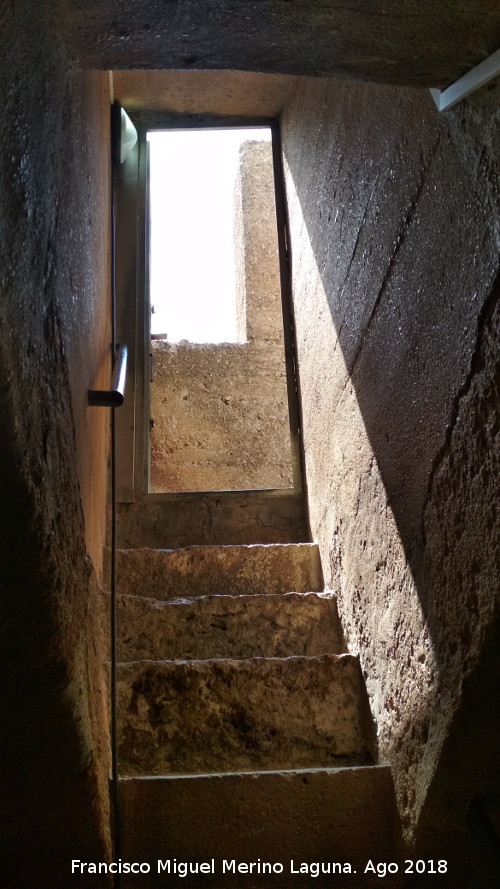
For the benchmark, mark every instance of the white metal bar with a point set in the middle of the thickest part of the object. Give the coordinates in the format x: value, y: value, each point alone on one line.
x: 467, y: 84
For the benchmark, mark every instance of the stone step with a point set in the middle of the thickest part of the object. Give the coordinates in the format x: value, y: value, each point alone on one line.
x: 213, y: 517
x: 332, y: 816
x: 228, y: 627
x: 237, y: 715
x: 207, y: 570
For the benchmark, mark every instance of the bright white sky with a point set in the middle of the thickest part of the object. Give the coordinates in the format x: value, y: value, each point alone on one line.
x: 192, y: 278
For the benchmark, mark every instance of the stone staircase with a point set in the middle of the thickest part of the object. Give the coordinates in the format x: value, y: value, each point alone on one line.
x: 244, y: 730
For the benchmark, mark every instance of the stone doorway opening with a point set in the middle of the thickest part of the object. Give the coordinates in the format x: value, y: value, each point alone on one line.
x: 208, y: 443
x: 218, y: 416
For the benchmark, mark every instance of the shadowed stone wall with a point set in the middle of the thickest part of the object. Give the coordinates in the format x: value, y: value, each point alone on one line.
x: 221, y: 410
x: 395, y: 251
x: 54, y: 342
x: 421, y: 42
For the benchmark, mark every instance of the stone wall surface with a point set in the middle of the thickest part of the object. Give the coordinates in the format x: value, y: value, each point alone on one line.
x: 248, y: 93
x: 221, y: 410
x: 54, y: 215
x: 419, y: 42
x: 218, y: 421
x: 394, y: 214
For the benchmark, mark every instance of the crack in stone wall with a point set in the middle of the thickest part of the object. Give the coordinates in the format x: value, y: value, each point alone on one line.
x: 405, y: 226
x: 484, y: 326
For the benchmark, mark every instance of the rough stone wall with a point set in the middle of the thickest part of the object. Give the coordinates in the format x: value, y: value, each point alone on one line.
x: 394, y: 216
x: 421, y: 42
x: 239, y: 263
x: 54, y: 215
x: 262, y: 278
x: 237, y: 93
x: 221, y: 411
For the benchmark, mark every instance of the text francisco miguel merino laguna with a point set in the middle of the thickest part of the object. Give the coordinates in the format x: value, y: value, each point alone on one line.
x: 231, y: 866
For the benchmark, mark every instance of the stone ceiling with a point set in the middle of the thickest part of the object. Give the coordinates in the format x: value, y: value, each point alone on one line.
x: 408, y: 42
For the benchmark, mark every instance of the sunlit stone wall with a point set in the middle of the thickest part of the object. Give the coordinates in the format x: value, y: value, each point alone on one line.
x: 394, y: 215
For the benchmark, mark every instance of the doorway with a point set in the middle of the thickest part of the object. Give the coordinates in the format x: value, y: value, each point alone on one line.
x: 268, y: 505
x: 218, y: 403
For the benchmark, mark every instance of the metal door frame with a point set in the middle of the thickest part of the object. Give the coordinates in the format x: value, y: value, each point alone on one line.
x: 133, y: 313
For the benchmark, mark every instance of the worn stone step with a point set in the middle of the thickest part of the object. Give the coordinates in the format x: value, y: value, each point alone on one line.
x: 213, y: 517
x: 228, y: 627
x: 235, y: 715
x: 344, y: 816
x: 206, y: 570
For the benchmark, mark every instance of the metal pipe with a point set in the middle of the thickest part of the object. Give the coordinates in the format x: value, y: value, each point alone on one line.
x: 471, y: 81
x: 114, y: 396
